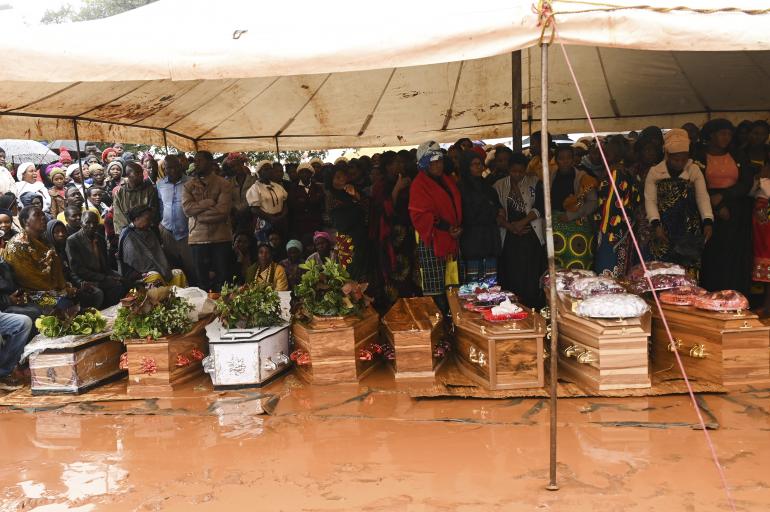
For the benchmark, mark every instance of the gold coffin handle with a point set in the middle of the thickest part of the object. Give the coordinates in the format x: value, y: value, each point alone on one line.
x: 698, y: 351
x: 572, y: 351
x: 586, y: 357
x: 477, y: 356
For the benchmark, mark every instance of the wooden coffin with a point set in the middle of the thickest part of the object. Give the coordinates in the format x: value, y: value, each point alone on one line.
x: 603, y: 354
x: 326, y: 349
x: 92, y: 361
x: 157, y: 366
x: 414, y: 328
x: 725, y: 348
x: 506, y: 355
x: 246, y: 357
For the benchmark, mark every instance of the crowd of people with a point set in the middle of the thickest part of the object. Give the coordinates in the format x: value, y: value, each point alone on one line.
x: 409, y: 223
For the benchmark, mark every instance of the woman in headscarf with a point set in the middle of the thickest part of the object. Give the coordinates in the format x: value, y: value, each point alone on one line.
x: 436, y: 209
x: 480, y: 241
x: 761, y: 231
x: 58, y: 191
x: 266, y: 271
x: 28, y: 182
x: 574, y: 201
x: 140, y: 254
x: 613, y: 242
x: 108, y: 156
x: 348, y: 216
x: 36, y: 266
x: 324, y: 248
x: 34, y: 199
x: 755, y: 151
x: 727, y: 258
x: 678, y: 205
x: 393, y: 234
x: 523, y: 260
x: 292, y: 262
x: 56, y: 235
x: 114, y: 176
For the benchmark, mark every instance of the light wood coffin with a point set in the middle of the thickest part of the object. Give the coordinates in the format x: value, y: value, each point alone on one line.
x: 158, y: 366
x: 90, y: 362
x: 603, y: 354
x: 326, y: 349
x: 725, y: 348
x: 414, y: 328
x: 507, y: 355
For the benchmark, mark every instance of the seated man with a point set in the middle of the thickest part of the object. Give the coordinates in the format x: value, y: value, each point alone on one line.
x: 15, y: 330
x: 87, y: 254
x: 140, y: 255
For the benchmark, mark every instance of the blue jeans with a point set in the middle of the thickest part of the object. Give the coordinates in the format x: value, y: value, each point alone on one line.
x: 15, y: 330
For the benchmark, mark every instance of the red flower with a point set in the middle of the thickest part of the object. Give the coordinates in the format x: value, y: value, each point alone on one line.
x: 197, y: 354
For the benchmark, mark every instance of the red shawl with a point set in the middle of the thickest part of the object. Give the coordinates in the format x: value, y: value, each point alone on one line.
x: 429, y: 204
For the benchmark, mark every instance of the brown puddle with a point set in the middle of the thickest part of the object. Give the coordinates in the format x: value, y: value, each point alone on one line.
x: 372, y: 448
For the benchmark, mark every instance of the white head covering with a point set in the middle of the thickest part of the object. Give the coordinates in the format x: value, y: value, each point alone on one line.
x: 22, y: 169
x: 306, y: 165
x: 70, y: 169
x: 340, y: 160
x: 316, y: 160
x: 263, y: 163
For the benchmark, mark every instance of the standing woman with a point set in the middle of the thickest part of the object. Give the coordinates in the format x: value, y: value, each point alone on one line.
x: 613, y: 242
x: 727, y: 258
x: 480, y: 242
x: 678, y: 205
x: 114, y: 176
x: 393, y: 234
x: 58, y: 191
x: 756, y: 148
x: 523, y: 258
x: 27, y: 176
x: 348, y: 216
x: 436, y: 210
x: 648, y: 152
x: 574, y: 202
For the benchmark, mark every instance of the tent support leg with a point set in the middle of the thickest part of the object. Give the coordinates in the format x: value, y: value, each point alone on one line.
x: 516, y: 100
x: 165, y: 141
x: 80, y: 161
x: 552, y: 298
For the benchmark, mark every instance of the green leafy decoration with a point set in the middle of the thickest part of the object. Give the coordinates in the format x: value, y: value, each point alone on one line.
x: 89, y: 321
x: 327, y: 290
x: 249, y: 306
x: 169, y: 316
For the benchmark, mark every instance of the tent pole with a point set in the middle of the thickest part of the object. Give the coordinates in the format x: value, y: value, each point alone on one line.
x: 80, y: 162
x: 552, y: 299
x: 165, y: 141
x: 277, y: 150
x: 516, y: 100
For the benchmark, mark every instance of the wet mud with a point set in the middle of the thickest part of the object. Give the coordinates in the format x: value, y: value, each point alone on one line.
x: 295, y: 447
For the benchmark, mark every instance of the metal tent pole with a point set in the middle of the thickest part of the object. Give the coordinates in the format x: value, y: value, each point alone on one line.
x: 516, y: 100
x: 552, y: 298
x: 80, y: 164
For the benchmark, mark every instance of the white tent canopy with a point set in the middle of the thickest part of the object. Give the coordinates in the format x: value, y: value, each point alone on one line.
x: 394, y: 73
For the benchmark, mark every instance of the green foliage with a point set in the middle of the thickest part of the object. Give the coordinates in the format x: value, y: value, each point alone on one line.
x: 285, y: 156
x: 169, y: 316
x: 249, y: 306
x: 327, y: 290
x: 91, y: 10
x: 89, y: 321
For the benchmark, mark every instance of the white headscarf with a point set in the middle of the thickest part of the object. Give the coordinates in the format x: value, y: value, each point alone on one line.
x: 22, y: 169
x: 263, y: 163
x: 306, y: 165
x: 70, y: 169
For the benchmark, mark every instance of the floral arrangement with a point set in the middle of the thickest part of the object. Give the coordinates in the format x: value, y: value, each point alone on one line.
x: 152, y: 314
x: 327, y: 290
x: 249, y: 306
x: 62, y: 323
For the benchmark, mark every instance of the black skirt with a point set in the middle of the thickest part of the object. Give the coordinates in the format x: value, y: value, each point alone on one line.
x: 521, y: 266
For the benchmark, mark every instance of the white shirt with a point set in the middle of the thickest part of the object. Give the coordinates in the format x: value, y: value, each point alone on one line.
x: 22, y: 187
x: 269, y: 197
x: 7, y: 183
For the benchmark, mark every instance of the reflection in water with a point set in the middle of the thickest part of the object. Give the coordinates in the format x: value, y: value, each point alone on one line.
x: 85, y: 479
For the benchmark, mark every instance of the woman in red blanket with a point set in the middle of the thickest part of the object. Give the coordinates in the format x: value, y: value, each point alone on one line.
x: 435, y: 207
